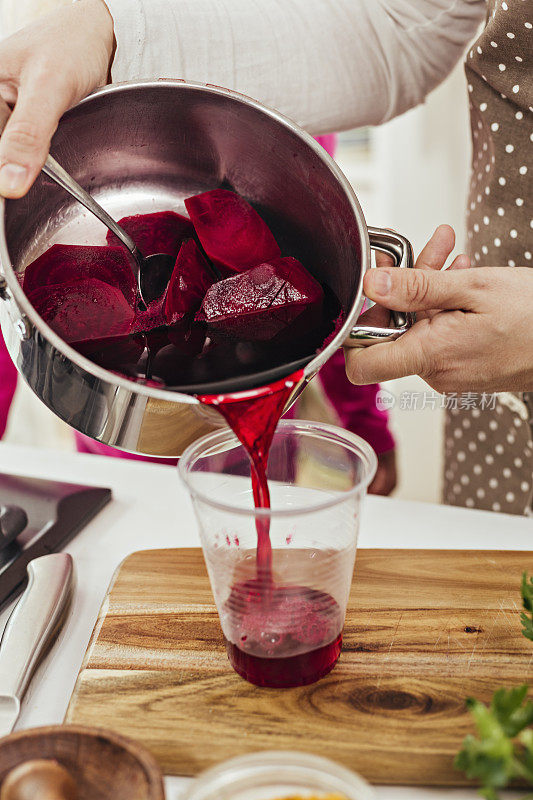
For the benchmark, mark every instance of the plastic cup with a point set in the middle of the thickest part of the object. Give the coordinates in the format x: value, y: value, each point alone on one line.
x: 286, y: 631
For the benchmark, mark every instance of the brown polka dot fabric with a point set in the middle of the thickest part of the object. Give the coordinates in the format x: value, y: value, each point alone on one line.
x: 489, y: 457
x: 489, y: 451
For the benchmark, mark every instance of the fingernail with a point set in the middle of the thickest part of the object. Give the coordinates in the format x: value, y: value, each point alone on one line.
x: 13, y: 178
x: 381, y: 281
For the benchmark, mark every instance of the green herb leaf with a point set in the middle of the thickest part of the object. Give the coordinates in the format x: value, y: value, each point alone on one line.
x: 495, y: 759
x: 526, y: 590
x: 503, y: 751
x: 510, y: 710
x: 526, y: 742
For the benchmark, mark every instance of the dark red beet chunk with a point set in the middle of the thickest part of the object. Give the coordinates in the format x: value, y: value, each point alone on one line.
x: 82, y: 310
x: 260, y: 303
x: 115, y: 353
x: 146, y: 319
x: 188, y: 284
x: 162, y: 232
x: 231, y: 232
x: 71, y: 262
x: 187, y: 338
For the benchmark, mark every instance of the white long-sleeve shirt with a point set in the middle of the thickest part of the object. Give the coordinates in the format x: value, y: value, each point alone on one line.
x: 327, y: 64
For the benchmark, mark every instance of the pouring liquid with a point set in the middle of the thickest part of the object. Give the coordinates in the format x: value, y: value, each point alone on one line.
x: 280, y: 636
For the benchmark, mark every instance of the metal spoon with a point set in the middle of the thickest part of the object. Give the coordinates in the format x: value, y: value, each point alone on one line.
x: 152, y: 273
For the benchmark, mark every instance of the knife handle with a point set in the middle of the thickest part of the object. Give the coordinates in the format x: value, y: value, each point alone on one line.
x: 35, y: 620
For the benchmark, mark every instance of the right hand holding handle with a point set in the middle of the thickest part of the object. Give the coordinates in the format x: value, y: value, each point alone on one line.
x: 44, y: 70
x: 474, y: 328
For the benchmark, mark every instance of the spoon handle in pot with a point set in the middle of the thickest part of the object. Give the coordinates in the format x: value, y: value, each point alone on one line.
x: 55, y: 171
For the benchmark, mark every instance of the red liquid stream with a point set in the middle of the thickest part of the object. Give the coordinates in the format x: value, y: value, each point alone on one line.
x: 253, y: 417
x: 274, y: 621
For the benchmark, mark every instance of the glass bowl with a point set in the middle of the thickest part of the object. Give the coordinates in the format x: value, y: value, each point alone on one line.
x: 279, y: 775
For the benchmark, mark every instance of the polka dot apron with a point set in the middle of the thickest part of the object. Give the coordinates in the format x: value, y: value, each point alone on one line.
x: 489, y: 450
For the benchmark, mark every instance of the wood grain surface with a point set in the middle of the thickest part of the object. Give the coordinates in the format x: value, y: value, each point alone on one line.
x: 424, y: 630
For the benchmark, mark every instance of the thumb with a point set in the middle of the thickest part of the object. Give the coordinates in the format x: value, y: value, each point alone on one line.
x: 387, y: 360
x: 423, y: 290
x: 25, y: 141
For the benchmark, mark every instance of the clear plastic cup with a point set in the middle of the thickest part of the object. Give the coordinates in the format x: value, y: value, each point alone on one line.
x: 285, y: 628
x: 274, y: 775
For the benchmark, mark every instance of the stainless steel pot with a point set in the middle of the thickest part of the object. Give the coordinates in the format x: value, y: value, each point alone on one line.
x: 142, y: 147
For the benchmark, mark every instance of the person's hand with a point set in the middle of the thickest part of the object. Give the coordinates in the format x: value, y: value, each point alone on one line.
x: 45, y: 69
x: 386, y: 476
x: 474, y: 329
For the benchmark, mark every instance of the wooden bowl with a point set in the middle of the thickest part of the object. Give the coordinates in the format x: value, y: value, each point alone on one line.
x: 104, y: 765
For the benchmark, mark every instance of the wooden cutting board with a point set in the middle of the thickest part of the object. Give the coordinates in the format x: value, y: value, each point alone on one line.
x: 424, y: 629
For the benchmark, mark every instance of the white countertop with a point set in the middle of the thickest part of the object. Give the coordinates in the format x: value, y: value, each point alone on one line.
x: 151, y: 509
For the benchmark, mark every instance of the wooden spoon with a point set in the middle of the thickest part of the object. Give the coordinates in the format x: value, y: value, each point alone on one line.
x: 99, y: 764
x: 41, y: 778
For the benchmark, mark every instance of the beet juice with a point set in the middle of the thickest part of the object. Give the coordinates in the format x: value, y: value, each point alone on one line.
x: 291, y: 640
x: 276, y: 635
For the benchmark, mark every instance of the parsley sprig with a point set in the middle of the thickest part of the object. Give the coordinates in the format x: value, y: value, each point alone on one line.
x: 503, y: 750
x: 526, y: 617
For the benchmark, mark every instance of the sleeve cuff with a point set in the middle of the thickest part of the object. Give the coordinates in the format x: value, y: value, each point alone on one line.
x: 129, y: 22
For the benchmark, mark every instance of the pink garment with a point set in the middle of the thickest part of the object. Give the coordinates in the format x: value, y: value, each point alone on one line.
x: 354, y: 405
x: 84, y: 444
x: 8, y: 382
x: 328, y: 142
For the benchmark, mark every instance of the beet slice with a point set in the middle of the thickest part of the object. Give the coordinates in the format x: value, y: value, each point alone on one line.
x: 231, y: 232
x: 261, y: 303
x: 146, y: 319
x: 114, y: 353
x: 162, y: 232
x: 190, y: 280
x: 158, y: 313
x: 82, y: 310
x: 64, y: 263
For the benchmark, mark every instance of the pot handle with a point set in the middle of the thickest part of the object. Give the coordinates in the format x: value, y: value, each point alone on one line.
x: 397, y: 246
